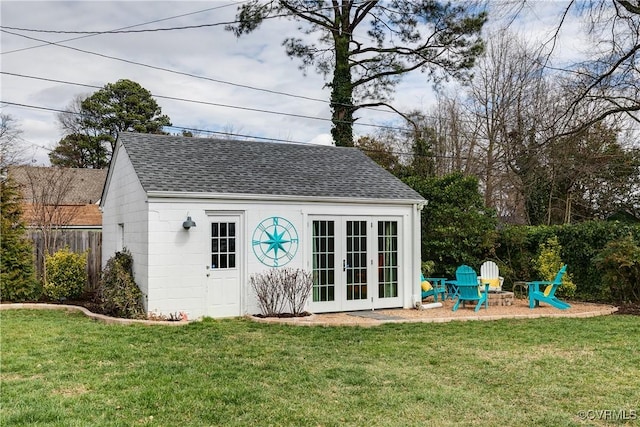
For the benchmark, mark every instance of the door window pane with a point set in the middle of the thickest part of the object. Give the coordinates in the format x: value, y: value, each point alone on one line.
x: 356, y: 258
x: 323, y: 261
x: 223, y: 245
x: 387, y: 259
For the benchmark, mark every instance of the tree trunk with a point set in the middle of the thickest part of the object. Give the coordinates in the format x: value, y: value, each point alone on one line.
x: 341, y: 94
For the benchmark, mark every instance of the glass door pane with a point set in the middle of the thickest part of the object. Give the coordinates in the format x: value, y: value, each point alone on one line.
x: 356, y: 260
x: 323, y: 255
x: 223, y: 245
x: 387, y: 259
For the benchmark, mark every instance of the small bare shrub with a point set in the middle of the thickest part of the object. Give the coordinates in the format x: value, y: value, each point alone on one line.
x: 269, y: 292
x: 296, y: 286
x: 275, y: 289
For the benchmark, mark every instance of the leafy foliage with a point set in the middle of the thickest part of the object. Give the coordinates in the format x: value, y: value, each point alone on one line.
x: 549, y: 262
x: 438, y: 38
x: 17, y: 275
x: 620, y: 265
x: 118, y: 292
x: 66, y: 274
x: 80, y: 151
x: 456, y: 227
x: 124, y: 106
x: 580, y: 245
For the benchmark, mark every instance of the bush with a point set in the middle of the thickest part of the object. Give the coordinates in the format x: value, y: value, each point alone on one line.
x: 456, y: 226
x: 296, y: 286
x: 579, y: 243
x: 620, y: 265
x: 118, y: 292
x: 279, y: 287
x: 548, y: 265
x: 17, y: 274
x: 66, y: 274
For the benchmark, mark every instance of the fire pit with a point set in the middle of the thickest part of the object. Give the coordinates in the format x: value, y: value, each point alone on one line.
x: 500, y: 298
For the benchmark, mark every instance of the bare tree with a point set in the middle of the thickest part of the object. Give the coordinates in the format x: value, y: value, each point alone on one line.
x: 11, y: 149
x: 608, y: 82
x: 46, y: 196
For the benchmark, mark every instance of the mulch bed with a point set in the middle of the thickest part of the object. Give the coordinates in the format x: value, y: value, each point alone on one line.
x: 630, y: 308
x: 284, y: 315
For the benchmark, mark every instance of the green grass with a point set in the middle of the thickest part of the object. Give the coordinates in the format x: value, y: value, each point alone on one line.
x: 62, y: 369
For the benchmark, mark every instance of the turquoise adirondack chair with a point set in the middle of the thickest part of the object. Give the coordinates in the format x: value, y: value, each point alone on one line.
x: 432, y: 286
x: 467, y: 288
x: 547, y: 295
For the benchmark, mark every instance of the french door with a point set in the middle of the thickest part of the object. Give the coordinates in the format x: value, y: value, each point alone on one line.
x: 355, y: 263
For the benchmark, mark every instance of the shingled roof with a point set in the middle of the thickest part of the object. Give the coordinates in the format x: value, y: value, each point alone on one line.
x: 68, y: 186
x: 202, y: 165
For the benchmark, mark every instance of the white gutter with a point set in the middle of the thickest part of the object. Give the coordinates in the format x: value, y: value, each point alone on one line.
x: 280, y: 198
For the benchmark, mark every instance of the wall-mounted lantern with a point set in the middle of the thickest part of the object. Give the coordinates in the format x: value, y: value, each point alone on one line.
x: 188, y: 223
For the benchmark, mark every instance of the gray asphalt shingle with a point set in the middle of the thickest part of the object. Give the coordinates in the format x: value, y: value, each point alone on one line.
x: 182, y: 164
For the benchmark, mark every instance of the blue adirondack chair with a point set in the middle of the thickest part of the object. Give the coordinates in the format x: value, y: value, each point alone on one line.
x: 467, y: 288
x: 434, y: 288
x: 547, y: 295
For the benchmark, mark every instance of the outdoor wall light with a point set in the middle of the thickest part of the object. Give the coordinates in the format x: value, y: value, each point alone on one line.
x: 188, y: 223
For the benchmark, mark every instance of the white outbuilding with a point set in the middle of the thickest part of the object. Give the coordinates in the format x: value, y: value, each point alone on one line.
x: 200, y: 216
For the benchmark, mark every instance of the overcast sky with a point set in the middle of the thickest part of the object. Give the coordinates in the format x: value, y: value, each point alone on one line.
x: 224, y: 84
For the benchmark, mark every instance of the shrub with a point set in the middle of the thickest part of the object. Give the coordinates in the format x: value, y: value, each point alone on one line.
x: 277, y: 288
x: 17, y: 274
x: 620, y: 265
x: 118, y: 292
x: 456, y: 226
x: 549, y: 262
x: 66, y: 274
x: 519, y: 247
x: 296, y: 286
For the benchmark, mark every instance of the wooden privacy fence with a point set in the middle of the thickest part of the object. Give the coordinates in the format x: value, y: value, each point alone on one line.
x: 79, y: 241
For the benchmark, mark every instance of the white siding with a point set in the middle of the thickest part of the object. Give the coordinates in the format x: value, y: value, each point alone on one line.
x: 171, y: 264
x: 125, y: 218
x: 177, y: 258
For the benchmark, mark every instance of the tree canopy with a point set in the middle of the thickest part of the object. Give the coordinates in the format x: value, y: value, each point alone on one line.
x: 365, y: 64
x: 93, y: 123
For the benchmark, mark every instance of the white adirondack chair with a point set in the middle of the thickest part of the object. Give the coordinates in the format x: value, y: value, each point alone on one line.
x: 489, y: 274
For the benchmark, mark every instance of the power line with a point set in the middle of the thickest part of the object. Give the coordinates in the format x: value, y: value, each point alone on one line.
x: 127, y: 31
x: 228, y: 134
x: 153, y: 67
x: 57, y: 110
x: 3, y: 29
x: 214, y: 104
x: 127, y: 27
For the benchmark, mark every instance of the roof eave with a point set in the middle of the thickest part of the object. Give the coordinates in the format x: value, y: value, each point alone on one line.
x: 277, y: 197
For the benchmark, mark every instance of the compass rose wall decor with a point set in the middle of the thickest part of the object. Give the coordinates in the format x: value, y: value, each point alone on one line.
x: 275, y: 241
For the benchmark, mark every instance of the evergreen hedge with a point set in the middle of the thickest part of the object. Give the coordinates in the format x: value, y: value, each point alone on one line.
x: 582, y: 246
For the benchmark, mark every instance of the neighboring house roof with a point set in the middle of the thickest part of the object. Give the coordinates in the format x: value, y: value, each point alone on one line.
x: 199, y: 165
x: 61, y: 196
x: 85, y: 185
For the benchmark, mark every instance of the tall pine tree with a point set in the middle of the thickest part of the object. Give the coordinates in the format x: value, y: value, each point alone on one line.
x: 17, y: 275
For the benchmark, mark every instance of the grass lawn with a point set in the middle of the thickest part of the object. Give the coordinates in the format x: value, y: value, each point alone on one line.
x: 62, y: 369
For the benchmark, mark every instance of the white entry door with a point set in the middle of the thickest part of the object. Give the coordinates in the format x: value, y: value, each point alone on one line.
x: 355, y: 264
x: 223, y: 275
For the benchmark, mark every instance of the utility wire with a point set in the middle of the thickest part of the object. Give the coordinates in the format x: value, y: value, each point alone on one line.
x: 124, y: 28
x: 89, y: 34
x: 228, y: 134
x: 58, y: 110
x: 153, y: 67
x: 214, y: 104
